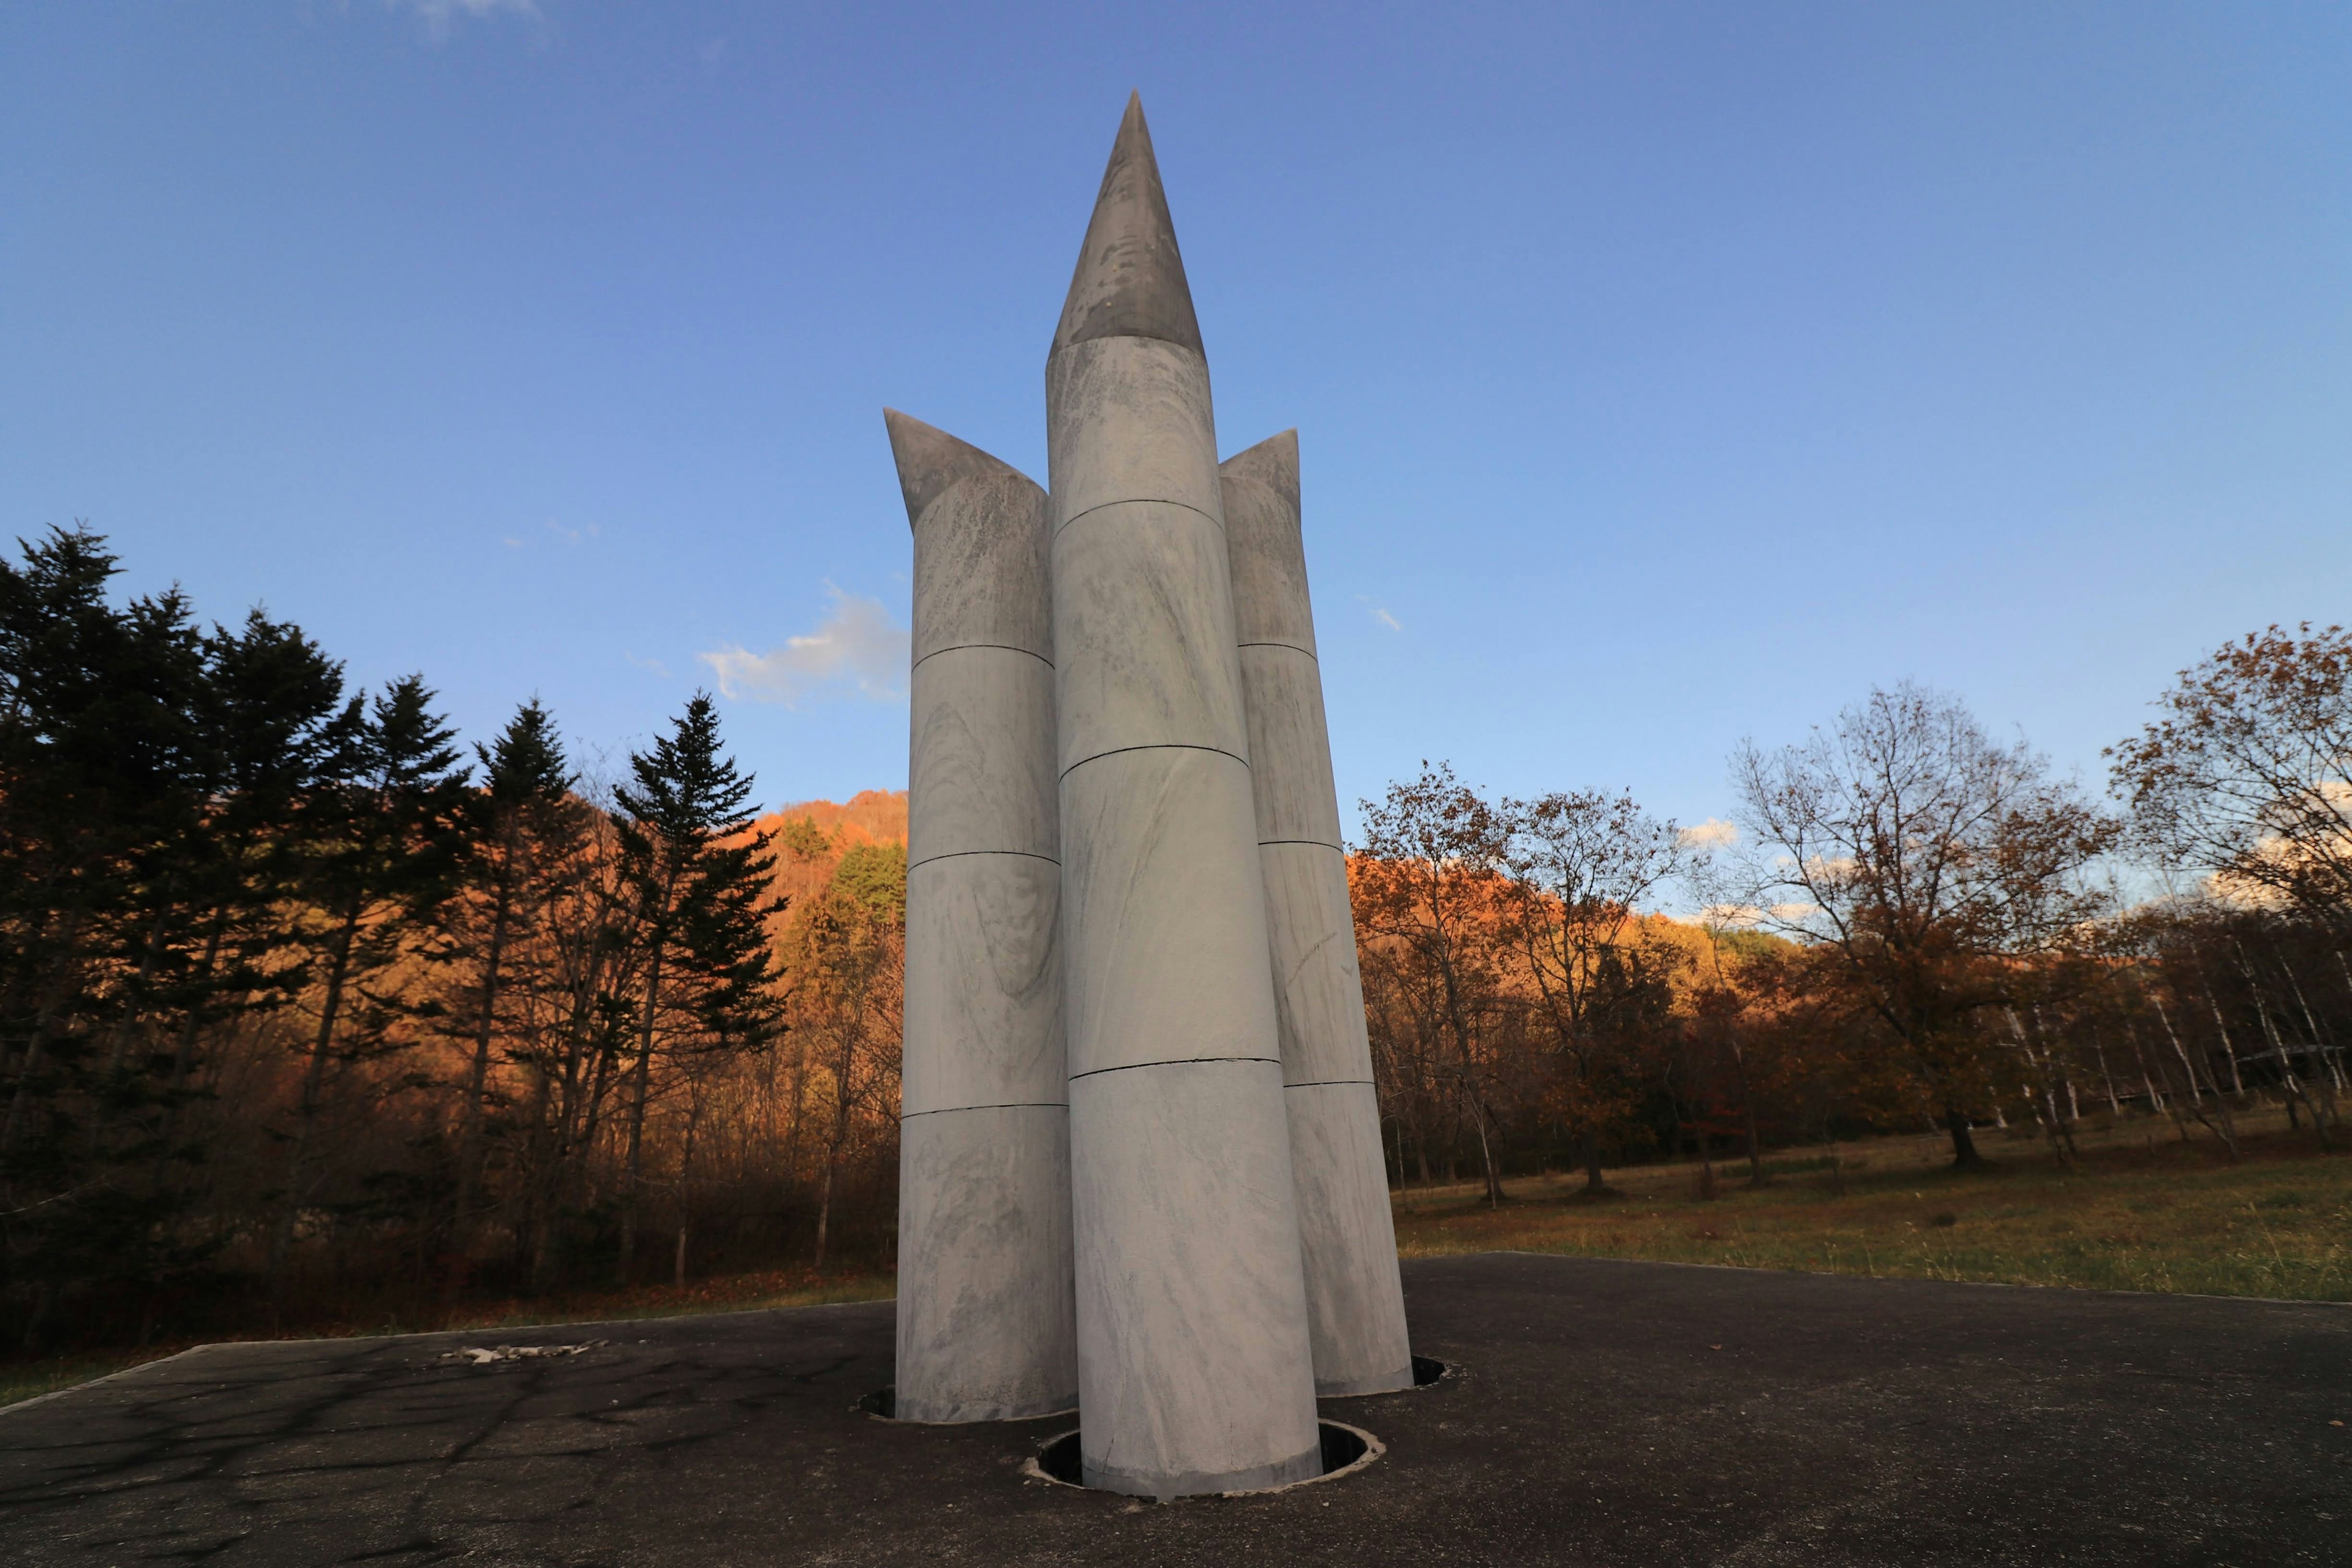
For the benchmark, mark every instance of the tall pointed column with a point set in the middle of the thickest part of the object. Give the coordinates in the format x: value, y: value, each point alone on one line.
x: 1194, y: 1369
x: 1355, y: 1299
x: 986, y: 1320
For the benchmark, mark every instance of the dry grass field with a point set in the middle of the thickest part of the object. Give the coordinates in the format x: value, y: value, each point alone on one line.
x: 2142, y: 1211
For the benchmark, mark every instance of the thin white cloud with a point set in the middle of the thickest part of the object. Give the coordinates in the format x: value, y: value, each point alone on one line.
x: 856, y: 649
x: 440, y: 15
x: 1712, y: 833
x: 1379, y: 613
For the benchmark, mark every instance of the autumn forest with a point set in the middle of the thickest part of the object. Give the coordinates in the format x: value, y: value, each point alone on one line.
x: 314, y: 1015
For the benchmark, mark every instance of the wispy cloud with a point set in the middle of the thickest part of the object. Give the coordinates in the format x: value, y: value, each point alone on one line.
x: 1379, y: 613
x: 440, y: 15
x: 854, y: 650
x: 1712, y: 833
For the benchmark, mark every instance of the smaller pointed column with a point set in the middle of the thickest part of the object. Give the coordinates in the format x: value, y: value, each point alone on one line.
x: 987, y: 1317
x: 1347, y: 1236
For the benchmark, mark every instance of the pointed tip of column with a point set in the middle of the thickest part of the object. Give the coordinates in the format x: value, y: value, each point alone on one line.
x: 1129, y: 280
x: 930, y: 461
x: 1273, y: 462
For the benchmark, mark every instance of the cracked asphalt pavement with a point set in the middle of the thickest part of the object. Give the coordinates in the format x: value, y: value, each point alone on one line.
x: 1601, y: 1413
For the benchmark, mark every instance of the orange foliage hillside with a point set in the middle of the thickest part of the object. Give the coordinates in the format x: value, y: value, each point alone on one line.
x: 805, y: 859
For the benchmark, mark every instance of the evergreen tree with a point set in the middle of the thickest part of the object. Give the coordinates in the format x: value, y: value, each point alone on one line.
x: 380, y: 834
x: 523, y: 833
x: 97, y: 781
x: 698, y: 878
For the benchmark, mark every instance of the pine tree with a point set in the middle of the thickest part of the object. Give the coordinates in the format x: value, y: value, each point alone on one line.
x: 523, y: 832
x: 98, y: 781
x: 382, y: 834
x: 699, y: 878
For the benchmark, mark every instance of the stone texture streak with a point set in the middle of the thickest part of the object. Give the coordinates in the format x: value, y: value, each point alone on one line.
x: 986, y: 1318
x: 1354, y: 1295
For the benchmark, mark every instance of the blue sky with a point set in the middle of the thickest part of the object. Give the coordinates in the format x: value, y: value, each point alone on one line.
x: 1664, y: 374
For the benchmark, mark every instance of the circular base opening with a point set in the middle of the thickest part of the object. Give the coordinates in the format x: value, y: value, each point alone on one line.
x: 1344, y: 1448
x: 884, y: 1401
x: 1426, y: 1370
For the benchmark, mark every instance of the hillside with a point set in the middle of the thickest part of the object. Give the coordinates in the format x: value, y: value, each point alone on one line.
x: 813, y: 835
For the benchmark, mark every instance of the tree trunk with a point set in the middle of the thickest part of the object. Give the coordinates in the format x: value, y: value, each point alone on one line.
x: 307, y: 1111
x: 1594, y: 1181
x: 1964, y: 1143
x: 469, y: 1141
x: 641, y: 1085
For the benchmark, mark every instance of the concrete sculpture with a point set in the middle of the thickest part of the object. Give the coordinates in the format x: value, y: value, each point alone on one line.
x: 985, y: 1327
x: 1227, y: 1248
x: 1355, y: 1298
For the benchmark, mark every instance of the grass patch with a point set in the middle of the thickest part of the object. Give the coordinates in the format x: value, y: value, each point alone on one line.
x: 2143, y: 1211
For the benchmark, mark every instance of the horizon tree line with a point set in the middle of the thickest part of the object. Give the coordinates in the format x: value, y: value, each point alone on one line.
x: 308, y: 1011
x: 305, y: 1011
x: 1919, y: 927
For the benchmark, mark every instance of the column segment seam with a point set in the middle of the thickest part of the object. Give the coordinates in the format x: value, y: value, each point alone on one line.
x: 1328, y: 1083
x: 1317, y: 843
x: 1152, y: 746
x: 992, y: 1105
x: 1172, y: 1062
x: 1271, y: 643
x: 1216, y: 523
x: 1004, y: 647
x: 958, y: 854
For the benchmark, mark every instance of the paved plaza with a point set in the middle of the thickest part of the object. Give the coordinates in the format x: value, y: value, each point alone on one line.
x: 1597, y: 1411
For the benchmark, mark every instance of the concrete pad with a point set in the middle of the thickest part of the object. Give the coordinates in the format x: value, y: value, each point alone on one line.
x: 1591, y: 1420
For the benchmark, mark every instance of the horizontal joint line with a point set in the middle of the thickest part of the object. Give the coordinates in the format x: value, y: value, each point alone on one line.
x: 1328, y: 1083
x: 1318, y: 842
x: 1174, y: 1062
x: 1154, y: 746
x: 1216, y: 523
x: 1291, y: 646
x: 960, y: 854
x: 1001, y: 646
x: 1007, y: 1105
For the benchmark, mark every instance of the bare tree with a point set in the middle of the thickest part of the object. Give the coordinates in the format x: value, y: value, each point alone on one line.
x: 2247, y: 776
x: 1929, y: 860
x: 1580, y: 865
x: 1430, y: 881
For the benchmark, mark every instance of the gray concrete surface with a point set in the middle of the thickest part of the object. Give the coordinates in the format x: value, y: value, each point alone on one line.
x: 987, y: 1315
x: 1194, y: 1364
x: 1346, y: 1239
x: 1614, y: 1415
